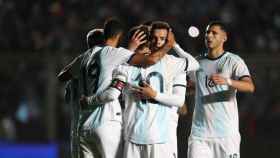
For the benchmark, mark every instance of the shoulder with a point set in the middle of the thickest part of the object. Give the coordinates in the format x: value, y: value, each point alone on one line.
x: 85, y: 55
x: 177, y: 64
x: 80, y: 57
x: 174, y: 59
x: 87, y: 52
x: 124, y: 50
x: 110, y: 50
x: 120, y: 51
x: 97, y: 48
x: 107, y: 48
x: 234, y: 58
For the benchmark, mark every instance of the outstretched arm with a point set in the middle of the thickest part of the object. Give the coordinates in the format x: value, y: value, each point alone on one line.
x: 65, y: 74
x: 193, y: 64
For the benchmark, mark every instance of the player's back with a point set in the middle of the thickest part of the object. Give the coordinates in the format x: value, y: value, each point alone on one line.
x: 87, y: 71
x: 108, y: 58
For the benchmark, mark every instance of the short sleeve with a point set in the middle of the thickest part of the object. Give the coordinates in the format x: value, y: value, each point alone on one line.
x: 115, y: 56
x: 240, y: 69
x: 124, y: 54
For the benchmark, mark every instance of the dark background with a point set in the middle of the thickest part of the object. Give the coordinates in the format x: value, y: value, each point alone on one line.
x: 38, y: 37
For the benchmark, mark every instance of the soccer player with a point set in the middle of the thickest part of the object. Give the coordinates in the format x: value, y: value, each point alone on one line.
x: 147, y: 118
x: 158, y: 39
x: 70, y: 73
x: 96, y: 77
x: 94, y: 38
x: 215, y: 127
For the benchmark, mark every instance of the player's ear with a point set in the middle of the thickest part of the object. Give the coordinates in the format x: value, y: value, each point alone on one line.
x: 119, y: 36
x: 225, y: 38
x: 166, y: 39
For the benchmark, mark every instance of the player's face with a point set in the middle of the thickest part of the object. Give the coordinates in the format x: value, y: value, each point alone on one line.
x: 159, y: 38
x: 214, y: 37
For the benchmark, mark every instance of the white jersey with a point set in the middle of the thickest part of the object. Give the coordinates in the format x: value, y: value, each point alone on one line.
x: 216, y: 113
x: 99, y: 70
x: 146, y: 121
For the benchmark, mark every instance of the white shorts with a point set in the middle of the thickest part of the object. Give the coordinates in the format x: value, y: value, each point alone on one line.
x: 132, y: 150
x: 228, y: 147
x: 106, y: 140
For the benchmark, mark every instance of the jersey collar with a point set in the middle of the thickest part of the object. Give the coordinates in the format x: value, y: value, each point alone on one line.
x: 216, y: 57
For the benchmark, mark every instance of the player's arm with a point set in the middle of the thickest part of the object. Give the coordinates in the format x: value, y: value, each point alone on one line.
x: 191, y: 81
x: 240, y: 79
x: 65, y: 74
x: 183, y: 110
x: 193, y: 64
x: 110, y: 94
x: 245, y: 84
x: 147, y: 60
x: 177, y: 98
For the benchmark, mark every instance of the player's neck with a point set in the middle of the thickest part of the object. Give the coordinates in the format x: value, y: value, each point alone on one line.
x: 215, y: 53
x: 111, y: 42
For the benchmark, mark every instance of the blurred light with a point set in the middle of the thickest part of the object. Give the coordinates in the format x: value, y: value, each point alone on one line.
x: 193, y: 31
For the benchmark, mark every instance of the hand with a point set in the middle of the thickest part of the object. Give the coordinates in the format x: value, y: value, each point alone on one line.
x: 137, y: 39
x: 190, y: 84
x: 183, y: 110
x: 144, y: 92
x: 83, y: 101
x: 218, y: 79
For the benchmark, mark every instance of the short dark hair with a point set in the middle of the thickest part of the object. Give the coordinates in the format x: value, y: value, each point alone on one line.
x: 95, y: 37
x: 220, y: 24
x: 148, y: 23
x: 112, y: 27
x: 159, y: 25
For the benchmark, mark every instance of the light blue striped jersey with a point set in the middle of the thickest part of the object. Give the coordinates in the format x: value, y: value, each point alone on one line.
x: 216, y: 113
x: 147, y: 121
